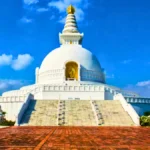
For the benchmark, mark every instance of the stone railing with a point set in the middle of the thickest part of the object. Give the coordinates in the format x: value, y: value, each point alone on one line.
x: 94, y: 111
x: 128, y: 108
x: 72, y: 88
x: 35, y: 90
x: 23, y: 109
x: 8, y: 99
x: 16, y: 93
x: 137, y: 100
x: 97, y: 113
x: 125, y: 93
x: 20, y: 93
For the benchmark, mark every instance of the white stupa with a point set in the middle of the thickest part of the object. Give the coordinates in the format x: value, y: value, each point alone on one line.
x: 69, y: 72
x: 70, y: 64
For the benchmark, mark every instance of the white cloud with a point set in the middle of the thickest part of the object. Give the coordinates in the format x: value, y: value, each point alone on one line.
x: 61, y: 6
x: 142, y: 88
x: 79, y: 14
x: 26, y: 20
x: 21, y: 62
x: 72, y: 1
x: 29, y: 2
x: 10, y: 84
x: 5, y: 84
x: 144, y: 83
x: 42, y: 9
x: 5, y: 59
x: 28, y: 6
x: 126, y: 61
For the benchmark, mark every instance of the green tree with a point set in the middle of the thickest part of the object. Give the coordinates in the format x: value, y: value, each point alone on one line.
x: 145, y: 120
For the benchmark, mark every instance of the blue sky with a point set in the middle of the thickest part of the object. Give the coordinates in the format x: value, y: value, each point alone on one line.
x: 117, y: 32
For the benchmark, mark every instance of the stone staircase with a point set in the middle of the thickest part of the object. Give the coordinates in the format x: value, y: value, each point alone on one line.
x: 112, y: 113
x: 76, y: 113
x: 79, y: 113
x: 41, y: 113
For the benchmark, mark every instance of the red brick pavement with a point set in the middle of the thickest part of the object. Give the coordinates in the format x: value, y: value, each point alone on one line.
x: 75, y: 138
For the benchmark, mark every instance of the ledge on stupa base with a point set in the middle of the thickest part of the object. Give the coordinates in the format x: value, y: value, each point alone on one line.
x: 72, y: 83
x: 71, y: 87
x: 70, y: 94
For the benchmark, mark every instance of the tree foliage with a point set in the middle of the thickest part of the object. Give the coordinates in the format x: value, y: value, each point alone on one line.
x: 4, y: 122
x: 7, y: 123
x: 145, y: 120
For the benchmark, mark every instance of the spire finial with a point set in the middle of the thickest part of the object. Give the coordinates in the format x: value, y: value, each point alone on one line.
x: 70, y: 9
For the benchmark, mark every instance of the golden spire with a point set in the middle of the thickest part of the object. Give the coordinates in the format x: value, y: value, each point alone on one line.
x: 70, y: 9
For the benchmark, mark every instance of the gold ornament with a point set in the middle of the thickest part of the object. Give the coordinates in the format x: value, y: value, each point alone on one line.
x: 70, y: 9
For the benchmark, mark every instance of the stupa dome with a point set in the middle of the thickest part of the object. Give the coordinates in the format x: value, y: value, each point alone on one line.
x: 70, y: 61
x: 57, y: 58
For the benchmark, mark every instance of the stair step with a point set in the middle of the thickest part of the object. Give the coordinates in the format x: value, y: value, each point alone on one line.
x: 76, y: 113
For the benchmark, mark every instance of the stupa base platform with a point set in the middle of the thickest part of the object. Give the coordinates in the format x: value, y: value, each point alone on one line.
x: 71, y: 138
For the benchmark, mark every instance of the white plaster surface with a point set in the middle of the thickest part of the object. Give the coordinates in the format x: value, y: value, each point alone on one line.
x: 128, y: 108
x: 57, y: 58
x: 12, y: 109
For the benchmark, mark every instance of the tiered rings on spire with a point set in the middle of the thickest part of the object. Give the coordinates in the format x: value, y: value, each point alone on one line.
x: 70, y: 25
x: 70, y: 33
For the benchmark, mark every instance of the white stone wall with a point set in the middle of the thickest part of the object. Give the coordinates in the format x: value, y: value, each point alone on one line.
x: 51, y: 76
x: 11, y: 105
x: 70, y: 95
x: 70, y: 92
x: 58, y: 76
x: 12, y: 109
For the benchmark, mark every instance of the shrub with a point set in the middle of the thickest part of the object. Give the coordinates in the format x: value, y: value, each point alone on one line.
x: 7, y: 123
x: 145, y: 120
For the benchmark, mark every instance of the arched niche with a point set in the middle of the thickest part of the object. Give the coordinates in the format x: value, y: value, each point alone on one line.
x: 71, y: 72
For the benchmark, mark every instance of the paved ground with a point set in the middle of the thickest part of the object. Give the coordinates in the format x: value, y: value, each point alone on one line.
x: 74, y: 138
